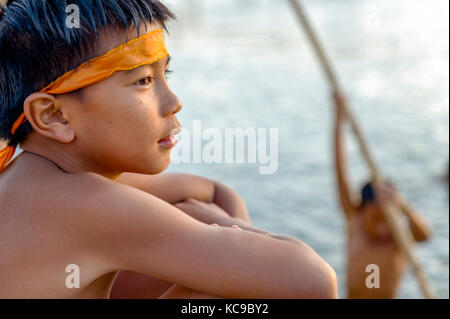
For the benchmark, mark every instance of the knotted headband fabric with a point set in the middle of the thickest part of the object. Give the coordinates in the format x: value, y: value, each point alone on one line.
x: 144, y: 50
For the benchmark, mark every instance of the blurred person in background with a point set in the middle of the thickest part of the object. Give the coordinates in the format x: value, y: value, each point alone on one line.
x: 369, y: 239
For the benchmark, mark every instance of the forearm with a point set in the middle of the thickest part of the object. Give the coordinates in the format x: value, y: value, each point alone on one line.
x: 228, y: 222
x: 176, y: 188
x: 316, y: 277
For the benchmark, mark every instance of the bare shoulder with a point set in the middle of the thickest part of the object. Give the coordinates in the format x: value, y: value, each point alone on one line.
x: 47, y: 205
x: 46, y: 188
x: 83, y: 209
x: 42, y: 218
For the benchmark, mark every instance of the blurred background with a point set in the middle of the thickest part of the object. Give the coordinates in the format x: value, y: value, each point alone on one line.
x: 247, y: 63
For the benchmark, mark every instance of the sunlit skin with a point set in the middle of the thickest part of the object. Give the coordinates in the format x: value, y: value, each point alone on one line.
x: 77, y: 130
x: 82, y: 193
x: 369, y: 239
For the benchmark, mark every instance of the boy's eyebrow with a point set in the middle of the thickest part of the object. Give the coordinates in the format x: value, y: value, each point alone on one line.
x: 131, y: 72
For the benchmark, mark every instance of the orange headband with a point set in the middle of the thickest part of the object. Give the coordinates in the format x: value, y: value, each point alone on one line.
x: 147, y: 49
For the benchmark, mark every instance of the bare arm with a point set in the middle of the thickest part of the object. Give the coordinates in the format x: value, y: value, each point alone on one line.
x: 419, y: 226
x: 387, y: 194
x: 176, y: 188
x: 210, y: 214
x: 129, y: 229
x: 345, y: 194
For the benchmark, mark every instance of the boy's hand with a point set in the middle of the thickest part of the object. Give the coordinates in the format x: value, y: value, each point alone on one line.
x: 207, y: 213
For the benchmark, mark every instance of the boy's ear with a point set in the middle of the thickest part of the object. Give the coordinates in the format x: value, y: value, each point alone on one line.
x: 47, y: 118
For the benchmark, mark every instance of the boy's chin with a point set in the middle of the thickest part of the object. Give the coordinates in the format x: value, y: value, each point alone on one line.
x: 156, y: 167
x: 149, y: 163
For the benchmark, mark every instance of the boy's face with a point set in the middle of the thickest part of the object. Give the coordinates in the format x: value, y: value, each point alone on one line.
x: 124, y: 123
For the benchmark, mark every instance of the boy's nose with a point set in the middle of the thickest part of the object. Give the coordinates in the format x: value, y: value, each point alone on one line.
x: 172, y: 105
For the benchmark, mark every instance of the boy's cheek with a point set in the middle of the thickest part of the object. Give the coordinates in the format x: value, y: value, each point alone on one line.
x: 125, y: 129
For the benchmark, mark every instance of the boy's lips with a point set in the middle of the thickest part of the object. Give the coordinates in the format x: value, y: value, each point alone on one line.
x: 171, y: 140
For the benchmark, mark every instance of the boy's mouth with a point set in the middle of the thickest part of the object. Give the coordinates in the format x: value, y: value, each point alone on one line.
x: 171, y: 140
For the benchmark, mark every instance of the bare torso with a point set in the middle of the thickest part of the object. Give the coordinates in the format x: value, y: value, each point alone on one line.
x: 36, y: 243
x: 364, y: 250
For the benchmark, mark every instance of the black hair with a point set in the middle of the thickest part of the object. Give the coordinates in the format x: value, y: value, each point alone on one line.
x: 367, y: 194
x: 36, y: 46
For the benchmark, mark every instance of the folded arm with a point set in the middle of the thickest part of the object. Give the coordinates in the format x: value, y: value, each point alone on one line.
x: 125, y: 228
x: 177, y: 188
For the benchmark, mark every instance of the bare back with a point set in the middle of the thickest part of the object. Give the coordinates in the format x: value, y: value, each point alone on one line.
x: 36, y: 242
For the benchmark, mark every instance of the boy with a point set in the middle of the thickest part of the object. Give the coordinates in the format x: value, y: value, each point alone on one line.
x: 93, y: 112
x: 369, y: 240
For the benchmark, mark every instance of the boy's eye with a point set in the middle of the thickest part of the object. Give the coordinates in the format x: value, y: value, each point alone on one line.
x: 145, y: 81
x: 148, y: 80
